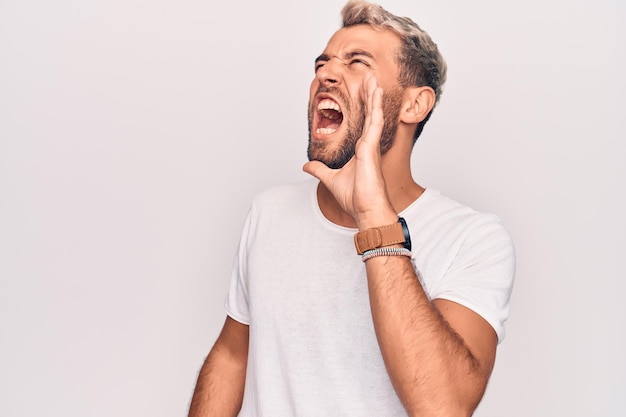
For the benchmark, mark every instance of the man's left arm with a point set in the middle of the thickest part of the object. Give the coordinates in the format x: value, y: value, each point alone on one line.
x: 439, y: 354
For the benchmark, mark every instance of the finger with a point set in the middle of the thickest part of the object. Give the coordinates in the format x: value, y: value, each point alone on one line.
x: 367, y: 88
x: 371, y: 84
x: 374, y: 121
x: 373, y: 102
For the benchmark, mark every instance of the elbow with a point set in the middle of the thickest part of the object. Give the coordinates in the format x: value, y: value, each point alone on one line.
x: 458, y: 402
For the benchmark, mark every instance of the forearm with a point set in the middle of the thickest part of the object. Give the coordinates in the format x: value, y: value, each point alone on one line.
x: 430, y: 366
x: 220, y: 385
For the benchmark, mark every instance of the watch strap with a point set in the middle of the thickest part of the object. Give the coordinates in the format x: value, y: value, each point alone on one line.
x: 378, y: 237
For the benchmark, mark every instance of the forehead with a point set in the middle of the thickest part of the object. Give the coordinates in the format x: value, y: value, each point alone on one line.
x: 382, y: 44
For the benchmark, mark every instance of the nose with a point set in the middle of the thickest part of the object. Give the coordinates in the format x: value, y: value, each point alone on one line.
x: 329, y: 73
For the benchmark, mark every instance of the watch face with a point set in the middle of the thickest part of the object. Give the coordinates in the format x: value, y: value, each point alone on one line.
x: 407, y: 235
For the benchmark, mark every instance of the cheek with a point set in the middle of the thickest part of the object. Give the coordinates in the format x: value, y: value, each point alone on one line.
x: 315, y: 85
x: 356, y: 91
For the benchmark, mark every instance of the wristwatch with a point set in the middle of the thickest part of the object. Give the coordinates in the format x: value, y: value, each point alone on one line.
x: 378, y: 237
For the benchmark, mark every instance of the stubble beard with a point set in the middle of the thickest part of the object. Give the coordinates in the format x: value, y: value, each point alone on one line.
x: 338, y: 156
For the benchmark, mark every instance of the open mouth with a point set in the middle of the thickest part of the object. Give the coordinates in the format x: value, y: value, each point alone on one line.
x: 330, y: 117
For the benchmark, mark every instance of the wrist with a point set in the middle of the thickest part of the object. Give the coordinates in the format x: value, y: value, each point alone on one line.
x: 376, y: 218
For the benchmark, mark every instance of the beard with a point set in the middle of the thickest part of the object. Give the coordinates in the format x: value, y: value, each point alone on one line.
x: 337, y: 157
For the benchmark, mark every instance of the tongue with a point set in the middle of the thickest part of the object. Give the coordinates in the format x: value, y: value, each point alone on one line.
x: 331, y: 119
x: 331, y: 124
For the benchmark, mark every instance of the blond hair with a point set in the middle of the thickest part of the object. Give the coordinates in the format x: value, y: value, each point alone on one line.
x: 419, y: 60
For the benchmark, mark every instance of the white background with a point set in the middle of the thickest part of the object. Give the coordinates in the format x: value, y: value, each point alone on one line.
x: 134, y: 134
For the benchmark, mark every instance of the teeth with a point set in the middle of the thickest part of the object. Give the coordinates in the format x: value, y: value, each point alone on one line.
x: 329, y: 114
x: 328, y: 105
x: 325, y: 130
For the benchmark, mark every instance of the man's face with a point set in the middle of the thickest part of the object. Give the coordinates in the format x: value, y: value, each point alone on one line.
x: 336, y: 104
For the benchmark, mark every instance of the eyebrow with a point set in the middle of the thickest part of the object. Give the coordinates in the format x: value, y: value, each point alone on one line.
x: 347, y: 56
x: 322, y: 57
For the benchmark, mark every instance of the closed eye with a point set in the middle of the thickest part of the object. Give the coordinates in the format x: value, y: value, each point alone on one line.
x: 352, y: 58
x: 359, y: 62
x: 320, y: 61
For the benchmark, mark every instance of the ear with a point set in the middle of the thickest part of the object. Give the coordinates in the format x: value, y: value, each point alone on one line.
x: 417, y: 102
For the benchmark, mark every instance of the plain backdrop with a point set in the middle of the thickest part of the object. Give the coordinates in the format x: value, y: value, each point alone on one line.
x: 134, y: 135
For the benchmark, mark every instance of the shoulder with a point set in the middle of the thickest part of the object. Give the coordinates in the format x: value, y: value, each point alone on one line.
x: 285, y: 194
x: 458, y: 224
x: 467, y: 256
x: 436, y: 207
x: 281, y: 201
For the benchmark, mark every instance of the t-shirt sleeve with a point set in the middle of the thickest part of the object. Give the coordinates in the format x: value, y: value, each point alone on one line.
x: 236, y: 303
x: 482, y: 273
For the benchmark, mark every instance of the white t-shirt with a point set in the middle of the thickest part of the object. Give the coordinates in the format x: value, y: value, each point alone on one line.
x: 300, y: 286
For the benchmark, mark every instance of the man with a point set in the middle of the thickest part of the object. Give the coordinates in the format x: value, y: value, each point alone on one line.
x: 408, y: 327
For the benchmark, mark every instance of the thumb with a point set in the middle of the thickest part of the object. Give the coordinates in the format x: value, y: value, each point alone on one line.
x: 318, y: 169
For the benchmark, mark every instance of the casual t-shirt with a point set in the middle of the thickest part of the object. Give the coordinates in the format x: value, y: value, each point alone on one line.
x: 300, y: 286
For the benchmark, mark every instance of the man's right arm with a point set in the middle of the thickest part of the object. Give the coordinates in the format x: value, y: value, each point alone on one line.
x: 219, y: 389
